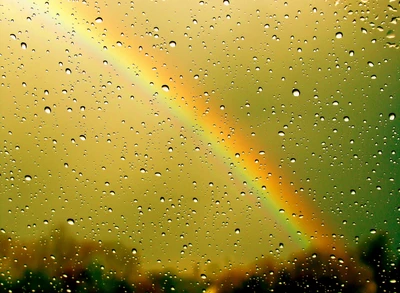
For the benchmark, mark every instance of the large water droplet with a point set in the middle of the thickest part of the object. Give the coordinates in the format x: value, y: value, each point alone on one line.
x: 99, y: 20
x: 295, y: 92
x: 24, y: 46
x: 28, y: 177
x: 165, y: 88
x: 47, y: 110
x: 134, y: 251
x: 70, y: 221
x: 172, y: 44
x: 339, y: 35
x: 392, y: 116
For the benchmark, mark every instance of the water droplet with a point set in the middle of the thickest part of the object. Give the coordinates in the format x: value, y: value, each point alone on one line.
x: 293, y: 160
x: 172, y: 44
x: 203, y: 276
x: 24, y: 46
x: 281, y: 133
x: 261, y: 152
x: 99, y: 20
x: 47, y: 110
x: 339, y: 35
x: 390, y: 34
x: 12, y: 36
x: 373, y: 231
x: 392, y: 116
x: 68, y: 71
x: 82, y: 137
x: 170, y: 149
x: 351, y: 53
x: 28, y: 178
x: 134, y: 251
x: 222, y: 107
x: 295, y: 92
x: 158, y: 174
x: 346, y: 118
x: 70, y: 221
x: 237, y: 230
x: 226, y: 2
x: 195, y: 199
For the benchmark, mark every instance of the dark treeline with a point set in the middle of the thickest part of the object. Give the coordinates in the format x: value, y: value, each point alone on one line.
x: 61, y: 264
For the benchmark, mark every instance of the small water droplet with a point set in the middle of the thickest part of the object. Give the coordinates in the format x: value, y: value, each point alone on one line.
x: 47, y: 110
x: 390, y: 34
x: 70, y: 221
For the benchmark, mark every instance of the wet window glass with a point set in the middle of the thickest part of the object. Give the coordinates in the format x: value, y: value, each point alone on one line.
x: 199, y: 146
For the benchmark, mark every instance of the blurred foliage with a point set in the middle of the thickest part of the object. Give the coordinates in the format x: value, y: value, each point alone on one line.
x: 371, y: 269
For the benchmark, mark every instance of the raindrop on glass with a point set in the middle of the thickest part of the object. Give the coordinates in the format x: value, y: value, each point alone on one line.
x: 339, y: 35
x: 295, y: 92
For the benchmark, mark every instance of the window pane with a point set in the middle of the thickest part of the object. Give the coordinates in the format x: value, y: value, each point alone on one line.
x: 206, y: 146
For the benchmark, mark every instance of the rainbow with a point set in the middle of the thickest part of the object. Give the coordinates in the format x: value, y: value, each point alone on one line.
x: 299, y: 217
